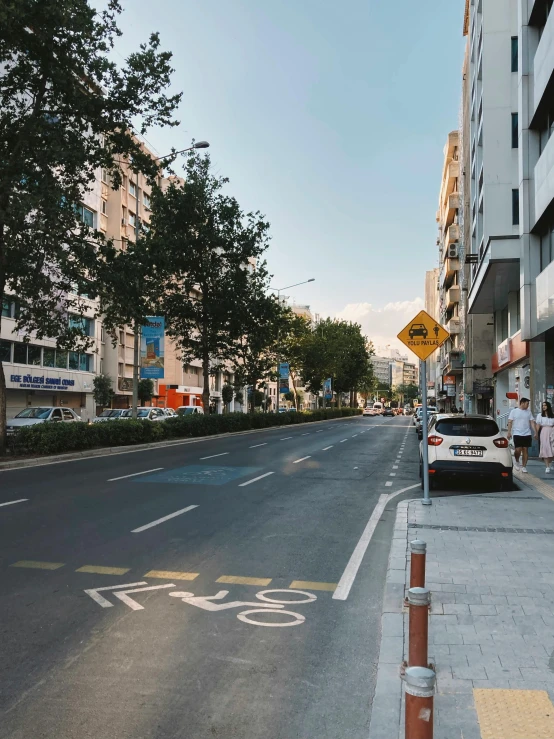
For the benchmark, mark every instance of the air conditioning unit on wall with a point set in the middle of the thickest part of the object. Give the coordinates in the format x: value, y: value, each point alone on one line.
x: 453, y: 251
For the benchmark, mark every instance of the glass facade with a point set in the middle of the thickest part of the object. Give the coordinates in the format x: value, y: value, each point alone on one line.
x: 39, y: 356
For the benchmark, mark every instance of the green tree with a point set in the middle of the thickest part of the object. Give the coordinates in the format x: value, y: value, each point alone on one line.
x: 239, y: 396
x: 295, y: 336
x: 210, y: 245
x: 227, y: 394
x: 145, y: 390
x: 289, y: 396
x: 66, y: 110
x: 102, y: 390
x: 407, y: 392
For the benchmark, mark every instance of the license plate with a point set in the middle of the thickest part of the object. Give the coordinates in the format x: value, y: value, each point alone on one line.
x: 468, y: 452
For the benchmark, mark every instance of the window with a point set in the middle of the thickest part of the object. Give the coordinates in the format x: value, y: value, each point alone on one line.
x: 61, y: 360
x: 123, y: 182
x: 84, y: 362
x: 73, y: 361
x: 514, y: 50
x: 20, y: 353
x: 133, y: 189
x: 34, y: 355
x: 515, y: 135
x: 68, y: 415
x: 146, y: 200
x: 82, y: 324
x: 5, y: 351
x: 105, y: 176
x: 6, y: 309
x: 132, y: 220
x: 86, y: 215
x: 515, y: 207
x: 48, y: 357
x: 56, y: 415
x: 104, y: 207
x: 467, y: 427
x: 120, y: 369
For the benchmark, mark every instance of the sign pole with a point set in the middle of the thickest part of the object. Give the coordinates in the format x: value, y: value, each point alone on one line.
x: 424, y: 444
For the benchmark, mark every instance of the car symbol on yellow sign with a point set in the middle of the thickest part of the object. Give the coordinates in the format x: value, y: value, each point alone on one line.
x: 423, y: 335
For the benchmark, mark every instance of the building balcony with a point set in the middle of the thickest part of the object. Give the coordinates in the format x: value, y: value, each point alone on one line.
x: 452, y: 205
x: 451, y: 363
x: 453, y: 326
x: 454, y: 169
x: 544, y: 179
x: 496, y: 275
x: 452, y: 234
x: 452, y: 296
x: 545, y: 299
x: 542, y: 67
x: 448, y: 272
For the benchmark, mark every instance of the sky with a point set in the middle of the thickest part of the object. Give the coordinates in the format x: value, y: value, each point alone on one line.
x: 329, y: 118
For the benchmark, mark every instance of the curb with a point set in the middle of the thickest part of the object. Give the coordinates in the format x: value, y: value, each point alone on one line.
x: 386, y: 709
x: 23, y: 463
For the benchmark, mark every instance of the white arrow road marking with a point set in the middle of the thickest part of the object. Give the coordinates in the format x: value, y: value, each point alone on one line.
x: 122, y: 595
x: 94, y: 592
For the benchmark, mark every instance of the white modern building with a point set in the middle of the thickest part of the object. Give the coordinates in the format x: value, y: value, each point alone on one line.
x: 510, y: 249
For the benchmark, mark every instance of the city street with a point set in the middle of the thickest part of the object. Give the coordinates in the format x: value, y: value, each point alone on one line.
x: 108, y: 563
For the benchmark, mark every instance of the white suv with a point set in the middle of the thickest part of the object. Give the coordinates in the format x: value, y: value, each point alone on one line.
x: 467, y: 447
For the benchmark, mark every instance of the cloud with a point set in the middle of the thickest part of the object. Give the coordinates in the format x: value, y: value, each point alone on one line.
x: 381, y: 325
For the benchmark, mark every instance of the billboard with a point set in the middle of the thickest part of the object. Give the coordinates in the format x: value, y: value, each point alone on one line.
x: 152, y: 348
x: 327, y: 389
x: 284, y: 373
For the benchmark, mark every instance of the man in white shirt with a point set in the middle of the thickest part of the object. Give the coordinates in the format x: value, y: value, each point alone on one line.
x: 522, y: 423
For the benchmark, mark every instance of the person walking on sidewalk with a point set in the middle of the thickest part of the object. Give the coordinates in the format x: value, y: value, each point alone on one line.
x: 522, y: 423
x: 544, y: 424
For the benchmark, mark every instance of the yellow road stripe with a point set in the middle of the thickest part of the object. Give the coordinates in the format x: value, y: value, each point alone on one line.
x: 518, y: 714
x: 167, y: 575
x: 99, y: 570
x: 231, y: 579
x: 307, y: 585
x: 38, y: 565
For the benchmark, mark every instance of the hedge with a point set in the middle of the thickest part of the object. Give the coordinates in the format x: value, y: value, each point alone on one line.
x: 55, y: 438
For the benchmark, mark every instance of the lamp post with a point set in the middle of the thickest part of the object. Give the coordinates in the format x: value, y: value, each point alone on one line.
x: 136, y: 332
x: 279, y: 291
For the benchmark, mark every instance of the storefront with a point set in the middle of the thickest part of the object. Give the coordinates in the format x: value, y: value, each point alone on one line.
x: 174, y: 396
x: 29, y: 386
x: 512, y: 374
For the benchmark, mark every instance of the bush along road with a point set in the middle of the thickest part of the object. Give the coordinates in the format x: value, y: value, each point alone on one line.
x: 73, y: 437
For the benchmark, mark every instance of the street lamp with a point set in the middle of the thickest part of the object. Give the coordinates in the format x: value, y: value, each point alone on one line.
x: 279, y: 291
x: 197, y: 145
x: 136, y: 332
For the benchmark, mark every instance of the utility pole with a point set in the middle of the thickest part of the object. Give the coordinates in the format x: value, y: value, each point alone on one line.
x: 136, y: 332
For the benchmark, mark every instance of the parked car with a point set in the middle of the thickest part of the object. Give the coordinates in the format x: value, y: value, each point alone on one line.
x: 190, y: 410
x: 145, y: 414
x: 467, y: 447
x: 43, y: 414
x: 431, y: 409
x: 110, y: 414
x: 377, y: 409
x: 168, y: 412
x: 368, y: 411
x: 388, y: 412
x: 407, y: 410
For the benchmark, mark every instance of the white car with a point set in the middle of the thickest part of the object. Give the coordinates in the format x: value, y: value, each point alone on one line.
x: 368, y: 411
x: 110, y: 414
x: 32, y: 416
x: 168, y: 412
x: 467, y: 447
x: 431, y: 409
x: 192, y: 410
x: 145, y: 414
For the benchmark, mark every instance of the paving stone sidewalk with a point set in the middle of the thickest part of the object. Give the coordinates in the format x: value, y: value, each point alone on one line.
x: 490, y: 569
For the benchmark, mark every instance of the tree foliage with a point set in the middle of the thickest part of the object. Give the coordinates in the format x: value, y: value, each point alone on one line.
x: 210, y: 246
x: 145, y: 390
x: 66, y: 110
x: 102, y: 390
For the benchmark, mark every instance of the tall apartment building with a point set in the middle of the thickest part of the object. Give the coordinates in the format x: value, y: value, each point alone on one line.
x: 39, y: 374
x: 381, y: 368
x: 510, y: 249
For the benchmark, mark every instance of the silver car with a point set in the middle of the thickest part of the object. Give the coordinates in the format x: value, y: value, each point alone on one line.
x: 110, y: 414
x: 44, y: 414
x: 145, y: 414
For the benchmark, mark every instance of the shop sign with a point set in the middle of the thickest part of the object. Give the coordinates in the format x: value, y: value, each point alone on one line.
x: 125, y: 384
x: 41, y: 382
x: 449, y: 380
x: 451, y: 391
x: 504, y: 353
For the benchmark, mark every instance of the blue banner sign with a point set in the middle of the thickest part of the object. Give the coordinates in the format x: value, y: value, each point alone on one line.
x: 327, y: 389
x: 152, y: 348
x: 284, y: 374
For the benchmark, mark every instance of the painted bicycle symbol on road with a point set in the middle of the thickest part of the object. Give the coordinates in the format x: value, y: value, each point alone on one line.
x: 264, y: 604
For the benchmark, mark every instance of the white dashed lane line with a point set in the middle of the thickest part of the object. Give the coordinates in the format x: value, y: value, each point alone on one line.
x: 326, y: 448
x: 212, y: 456
x: 257, y: 445
x: 296, y: 461
x: 255, y: 479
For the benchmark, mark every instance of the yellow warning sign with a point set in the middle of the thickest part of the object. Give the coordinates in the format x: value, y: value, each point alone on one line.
x: 423, y: 335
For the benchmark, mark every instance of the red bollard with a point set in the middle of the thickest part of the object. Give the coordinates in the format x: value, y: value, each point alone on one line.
x: 418, y: 551
x: 419, y: 691
x: 418, y: 601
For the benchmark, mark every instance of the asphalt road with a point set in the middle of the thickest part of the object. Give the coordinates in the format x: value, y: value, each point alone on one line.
x: 286, y: 510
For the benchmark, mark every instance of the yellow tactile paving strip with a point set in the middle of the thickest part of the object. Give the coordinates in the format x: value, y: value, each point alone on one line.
x: 514, y: 714
x: 99, y: 570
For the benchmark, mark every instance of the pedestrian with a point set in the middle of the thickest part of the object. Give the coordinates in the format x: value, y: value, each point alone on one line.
x: 522, y: 423
x: 544, y: 424
x: 454, y: 409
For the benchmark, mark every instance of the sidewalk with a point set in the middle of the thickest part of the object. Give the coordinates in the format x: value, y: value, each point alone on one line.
x: 490, y: 569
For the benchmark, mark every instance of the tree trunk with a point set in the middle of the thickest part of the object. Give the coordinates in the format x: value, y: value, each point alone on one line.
x: 2, y: 376
x: 206, y: 383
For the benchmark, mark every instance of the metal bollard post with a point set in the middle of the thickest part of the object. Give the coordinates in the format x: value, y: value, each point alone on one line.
x: 419, y: 691
x: 418, y: 601
x: 418, y: 551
